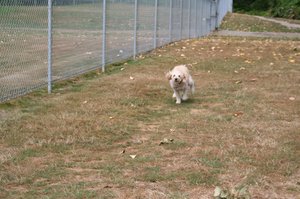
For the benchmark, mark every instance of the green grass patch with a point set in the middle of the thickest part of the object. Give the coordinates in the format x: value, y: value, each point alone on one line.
x: 28, y: 153
x: 197, y: 178
x: 176, y: 145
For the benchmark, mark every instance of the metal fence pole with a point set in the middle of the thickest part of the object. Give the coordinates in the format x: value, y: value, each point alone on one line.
x: 202, y: 31
x: 210, y: 16
x: 196, y: 20
x: 155, y: 25
x: 181, y: 16
x: 103, y: 34
x: 203, y: 18
x: 49, y: 46
x: 189, y: 20
x: 217, y: 14
x: 170, y: 20
x: 135, y: 28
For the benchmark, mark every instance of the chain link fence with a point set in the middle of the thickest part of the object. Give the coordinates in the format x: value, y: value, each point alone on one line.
x: 42, y: 41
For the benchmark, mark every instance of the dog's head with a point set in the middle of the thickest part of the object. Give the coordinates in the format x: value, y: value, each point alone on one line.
x: 176, y: 76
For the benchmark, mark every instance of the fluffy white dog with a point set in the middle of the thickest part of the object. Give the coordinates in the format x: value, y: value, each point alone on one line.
x: 181, y: 82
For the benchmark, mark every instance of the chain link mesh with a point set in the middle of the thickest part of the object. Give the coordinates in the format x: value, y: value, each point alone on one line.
x: 77, y: 35
x: 23, y: 47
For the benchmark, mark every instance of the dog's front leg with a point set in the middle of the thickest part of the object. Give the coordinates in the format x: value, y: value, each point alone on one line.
x: 178, y: 98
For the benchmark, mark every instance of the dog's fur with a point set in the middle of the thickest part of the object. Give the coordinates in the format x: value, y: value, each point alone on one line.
x: 181, y: 82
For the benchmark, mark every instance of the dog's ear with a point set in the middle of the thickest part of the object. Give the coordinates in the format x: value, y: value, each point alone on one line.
x: 169, y: 75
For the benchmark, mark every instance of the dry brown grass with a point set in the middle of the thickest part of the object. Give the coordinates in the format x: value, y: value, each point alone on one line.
x: 241, y: 128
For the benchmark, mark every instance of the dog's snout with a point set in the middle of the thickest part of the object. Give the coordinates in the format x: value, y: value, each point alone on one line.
x: 176, y: 79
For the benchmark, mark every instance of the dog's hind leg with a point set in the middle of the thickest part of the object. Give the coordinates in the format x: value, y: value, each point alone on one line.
x: 185, y: 95
x: 192, y: 85
x: 178, y: 98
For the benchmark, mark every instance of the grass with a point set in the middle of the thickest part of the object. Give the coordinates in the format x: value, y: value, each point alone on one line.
x: 99, y: 135
x: 248, y: 23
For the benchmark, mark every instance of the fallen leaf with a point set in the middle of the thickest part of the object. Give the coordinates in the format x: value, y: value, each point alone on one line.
x: 85, y: 102
x: 217, y: 192
x: 253, y: 80
x: 123, y: 151
x: 132, y: 156
x: 132, y: 78
x: 292, y: 98
x: 224, y: 194
x: 132, y: 105
x: 292, y: 61
x: 166, y: 141
x: 237, y: 114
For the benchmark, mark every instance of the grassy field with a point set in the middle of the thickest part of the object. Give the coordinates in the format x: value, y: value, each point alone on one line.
x: 112, y: 136
x: 243, y: 22
x: 121, y: 135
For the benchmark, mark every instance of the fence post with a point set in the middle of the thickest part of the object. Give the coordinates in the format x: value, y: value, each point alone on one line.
x: 189, y: 20
x: 196, y: 20
x: 210, y: 16
x: 170, y: 21
x: 103, y: 34
x: 181, y: 17
x: 135, y: 28
x: 217, y: 14
x: 49, y: 46
x: 155, y: 25
x: 201, y: 19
